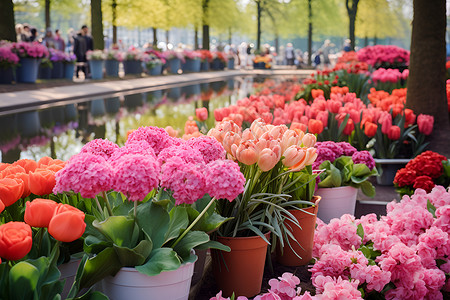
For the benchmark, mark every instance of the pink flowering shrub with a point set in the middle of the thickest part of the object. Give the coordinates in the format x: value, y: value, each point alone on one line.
x: 32, y: 50
x: 7, y: 57
x: 403, y: 255
x: 383, y: 56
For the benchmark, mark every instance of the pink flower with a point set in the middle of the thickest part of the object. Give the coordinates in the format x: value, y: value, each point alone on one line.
x: 136, y: 176
x: 136, y: 147
x: 224, y: 179
x: 425, y: 124
x: 364, y: 157
x: 208, y: 146
x: 156, y: 137
x: 202, y: 114
x: 285, y: 284
x: 84, y: 173
x: 184, y: 151
x: 336, y: 289
x: 100, y: 147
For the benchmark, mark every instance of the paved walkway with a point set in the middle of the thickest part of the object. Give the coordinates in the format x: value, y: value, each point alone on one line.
x: 16, y: 100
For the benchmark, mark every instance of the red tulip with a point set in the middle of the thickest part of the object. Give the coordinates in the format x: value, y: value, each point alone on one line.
x: 202, y: 114
x: 41, y: 182
x: 394, y: 133
x: 67, y: 224
x: 39, y: 212
x: 410, y: 117
x: 315, y: 126
x: 334, y: 106
x: 349, y: 127
x: 11, y: 190
x: 425, y: 124
x: 15, y: 240
x: 370, y: 129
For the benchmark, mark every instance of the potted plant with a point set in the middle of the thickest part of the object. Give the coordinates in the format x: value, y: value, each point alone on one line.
x: 45, y: 68
x: 344, y: 170
x: 69, y: 66
x: 154, y: 63
x: 276, y: 163
x: 192, y: 61
x: 153, y: 210
x: 174, y: 60
x: 112, y: 60
x: 219, y: 60
x: 57, y: 58
x: 262, y: 62
x: 132, y: 61
x: 96, y: 60
x: 8, y: 64
x: 206, y: 58
x: 30, y: 55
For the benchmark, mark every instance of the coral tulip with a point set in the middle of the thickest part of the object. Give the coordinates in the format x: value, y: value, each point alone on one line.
x: 323, y: 116
x: 289, y: 138
x: 316, y: 93
x: 299, y: 127
x: 394, y: 133
x: 11, y: 189
x: 202, y: 114
x: 308, y: 159
x: 24, y: 177
x: 309, y: 140
x: 15, y: 240
x: 315, y: 126
x: 39, y: 212
x: 293, y: 155
x: 349, y: 127
x: 334, y: 106
x: 370, y: 129
x: 28, y: 164
x: 230, y: 138
x: 11, y: 170
x: 410, y: 117
x: 2, y: 206
x: 258, y: 128
x: 246, y: 153
x: 172, y: 132
x: 67, y: 224
x: 268, y: 158
x: 44, y: 161
x: 41, y: 182
x: 386, y: 122
x: 425, y: 124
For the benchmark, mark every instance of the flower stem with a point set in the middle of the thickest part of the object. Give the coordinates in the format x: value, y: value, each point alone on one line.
x: 135, y: 209
x: 193, y: 223
x: 108, y: 206
x: 100, y: 210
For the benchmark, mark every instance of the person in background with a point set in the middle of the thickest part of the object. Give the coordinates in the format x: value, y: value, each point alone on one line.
x: 82, y: 44
x: 325, y: 51
x: 290, y: 54
x: 70, y: 40
x: 49, y: 40
x: 34, y: 34
x: 26, y: 31
x: 20, y: 35
x: 347, y: 46
x: 59, y: 41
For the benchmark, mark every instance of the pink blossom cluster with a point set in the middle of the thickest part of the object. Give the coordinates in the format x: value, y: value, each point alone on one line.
x: 189, y: 54
x: 33, y: 50
x: 7, y: 57
x: 389, y: 75
x: 285, y: 288
x: 57, y: 55
x: 171, y: 54
x: 188, y: 169
x: 132, y: 54
x: 409, y: 247
x: 383, y: 55
x: 113, y: 54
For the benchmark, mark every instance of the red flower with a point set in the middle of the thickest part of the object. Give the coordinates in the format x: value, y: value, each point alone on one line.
x: 424, y: 182
x: 15, y: 240
x: 425, y: 124
x: 11, y: 190
x: 428, y: 163
x: 67, y: 223
x: 405, y: 177
x: 39, y: 212
x: 315, y: 126
x: 41, y: 182
x: 202, y: 114
x: 370, y: 129
x: 349, y: 127
x: 394, y: 133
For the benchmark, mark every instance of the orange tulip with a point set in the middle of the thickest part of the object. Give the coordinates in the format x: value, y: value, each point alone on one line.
x: 28, y: 164
x: 41, y: 182
x: 15, y: 240
x: 11, y: 170
x: 39, y: 212
x: 2, y: 206
x: 3, y: 166
x: 67, y: 224
x: 24, y: 177
x: 11, y: 190
x: 316, y: 93
x: 315, y: 126
x: 44, y: 161
x: 370, y: 129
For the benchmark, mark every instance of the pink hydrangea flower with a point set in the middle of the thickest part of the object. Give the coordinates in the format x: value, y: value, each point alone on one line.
x: 101, y: 147
x: 334, y: 289
x: 156, y: 137
x: 224, y: 179
x: 285, y: 284
x: 183, y: 151
x: 136, y: 147
x: 84, y: 173
x: 443, y: 218
x: 208, y: 146
x: 364, y: 157
x: 136, y: 175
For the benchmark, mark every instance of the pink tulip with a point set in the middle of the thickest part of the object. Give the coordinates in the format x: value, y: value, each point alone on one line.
x: 202, y: 114
x: 258, y: 127
x: 229, y: 139
x: 247, y: 135
x: 278, y: 131
x: 309, y: 140
x: 308, y: 160
x: 290, y: 138
x: 246, y: 153
x: 268, y: 158
x: 334, y: 106
x: 394, y: 133
x: 425, y: 123
x: 386, y: 122
x: 293, y: 155
x: 323, y: 116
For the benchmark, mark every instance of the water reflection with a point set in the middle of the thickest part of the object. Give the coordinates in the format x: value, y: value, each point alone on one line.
x: 61, y: 131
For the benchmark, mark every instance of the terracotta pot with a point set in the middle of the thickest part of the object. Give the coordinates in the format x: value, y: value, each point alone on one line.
x: 304, y: 236
x: 336, y: 202
x: 240, y: 270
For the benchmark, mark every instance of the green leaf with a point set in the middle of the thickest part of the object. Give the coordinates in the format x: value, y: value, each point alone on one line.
x: 179, y: 221
x: 332, y: 178
x: 105, y: 263
x: 119, y: 229
x: 157, y: 225
x: 368, y: 189
x: 161, y: 259
x: 213, y: 245
x: 191, y: 240
x: 94, y: 245
x: 360, y: 232
x: 133, y: 257
x: 431, y: 208
x: 23, y: 280
x: 360, y: 170
x: 91, y: 295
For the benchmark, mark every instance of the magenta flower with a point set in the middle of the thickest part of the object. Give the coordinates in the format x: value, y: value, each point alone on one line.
x: 156, y: 137
x: 100, y: 147
x: 136, y: 147
x: 136, y: 175
x: 364, y: 157
x: 84, y: 173
x: 184, y: 151
x: 224, y: 179
x: 210, y: 148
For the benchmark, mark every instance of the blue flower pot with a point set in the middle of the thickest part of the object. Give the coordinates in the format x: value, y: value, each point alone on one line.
x: 96, y: 67
x: 45, y: 72
x: 191, y: 65
x: 215, y: 64
x: 6, y: 76
x: 97, y: 108
x: 28, y: 70
x: 57, y: 70
x: 112, y: 68
x: 230, y: 65
x: 174, y: 65
x: 156, y: 70
x: 69, y: 69
x: 112, y: 105
x: 29, y: 123
x: 132, y: 67
x: 204, y: 66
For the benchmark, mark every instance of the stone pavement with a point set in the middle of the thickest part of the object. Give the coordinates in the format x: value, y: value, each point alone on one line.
x: 14, y: 101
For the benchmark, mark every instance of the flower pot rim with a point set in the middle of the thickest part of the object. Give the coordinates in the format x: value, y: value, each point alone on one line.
x: 337, y: 187
x: 267, y: 234
x: 133, y: 269
x: 386, y: 161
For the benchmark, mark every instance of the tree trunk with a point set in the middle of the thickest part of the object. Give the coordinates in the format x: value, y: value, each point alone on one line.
x: 167, y: 36
x: 47, y: 14
x: 196, y: 38
x: 426, y: 92
x: 97, y: 24
x: 205, y: 25
x: 277, y: 43
x: 155, y: 37
x: 258, y: 30
x: 229, y: 36
x: 309, y: 33
x: 366, y: 41
x: 352, y: 9
x: 7, y: 25
x: 375, y: 40
x: 114, y: 18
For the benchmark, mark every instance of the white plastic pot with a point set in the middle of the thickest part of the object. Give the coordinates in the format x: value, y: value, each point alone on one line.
x: 336, y: 202
x: 130, y: 284
x: 68, y: 272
